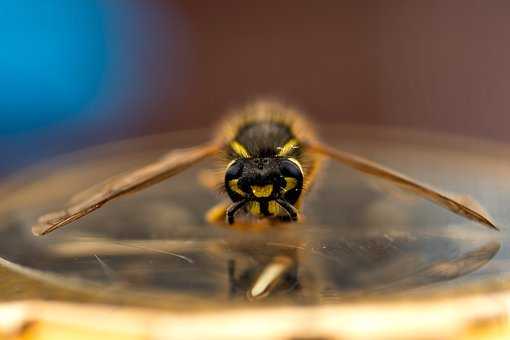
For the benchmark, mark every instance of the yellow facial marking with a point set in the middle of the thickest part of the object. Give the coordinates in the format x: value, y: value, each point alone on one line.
x: 239, y: 149
x: 233, y: 185
x: 254, y: 208
x: 291, y: 183
x: 288, y: 147
x: 264, y: 191
x: 273, y: 208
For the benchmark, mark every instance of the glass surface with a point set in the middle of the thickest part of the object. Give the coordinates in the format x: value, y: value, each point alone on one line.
x: 360, y: 238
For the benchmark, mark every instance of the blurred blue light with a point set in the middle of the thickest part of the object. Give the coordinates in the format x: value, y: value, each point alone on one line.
x: 52, y: 60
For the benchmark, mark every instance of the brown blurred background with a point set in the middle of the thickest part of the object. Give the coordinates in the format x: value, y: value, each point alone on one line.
x: 429, y: 65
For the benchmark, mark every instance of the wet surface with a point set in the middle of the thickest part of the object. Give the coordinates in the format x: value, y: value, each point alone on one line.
x: 359, y: 239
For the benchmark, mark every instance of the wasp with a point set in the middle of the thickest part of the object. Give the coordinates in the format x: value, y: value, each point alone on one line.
x: 271, y: 158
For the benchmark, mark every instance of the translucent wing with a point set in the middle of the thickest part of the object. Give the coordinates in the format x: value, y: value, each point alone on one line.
x: 85, y: 203
x: 460, y: 205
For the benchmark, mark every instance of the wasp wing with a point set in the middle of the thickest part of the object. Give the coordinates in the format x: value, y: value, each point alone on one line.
x: 460, y: 205
x: 168, y: 166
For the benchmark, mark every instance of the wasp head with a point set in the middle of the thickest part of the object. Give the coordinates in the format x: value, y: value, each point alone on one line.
x: 269, y: 186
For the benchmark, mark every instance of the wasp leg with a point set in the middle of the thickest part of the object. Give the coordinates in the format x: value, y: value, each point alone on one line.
x: 223, y: 212
x: 289, y: 208
x: 232, y: 210
x: 218, y: 213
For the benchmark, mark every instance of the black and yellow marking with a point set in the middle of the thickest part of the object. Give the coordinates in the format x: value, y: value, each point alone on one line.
x: 291, y: 183
x: 254, y: 208
x: 262, y: 191
x: 234, y: 187
x: 273, y: 208
x: 258, y: 141
x: 264, y: 208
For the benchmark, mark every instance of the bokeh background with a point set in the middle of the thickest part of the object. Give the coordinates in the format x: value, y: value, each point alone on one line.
x: 85, y: 72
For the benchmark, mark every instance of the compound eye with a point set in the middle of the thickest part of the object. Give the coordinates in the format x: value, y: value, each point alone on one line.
x: 290, y: 169
x: 234, y: 170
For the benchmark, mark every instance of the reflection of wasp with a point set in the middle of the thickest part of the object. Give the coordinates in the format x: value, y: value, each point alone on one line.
x: 271, y: 158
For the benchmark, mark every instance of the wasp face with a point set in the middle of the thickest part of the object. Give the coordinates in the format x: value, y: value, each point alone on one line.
x: 268, y: 186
